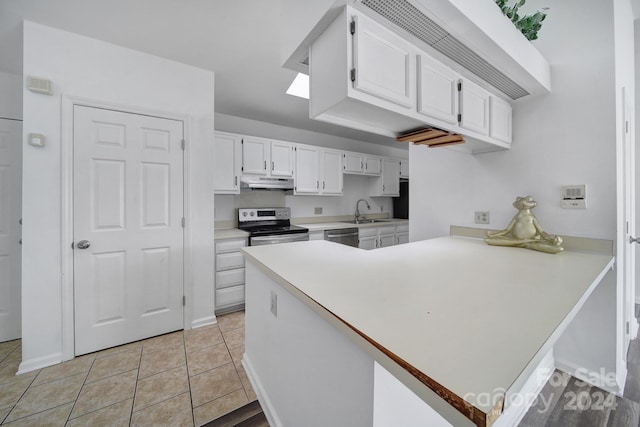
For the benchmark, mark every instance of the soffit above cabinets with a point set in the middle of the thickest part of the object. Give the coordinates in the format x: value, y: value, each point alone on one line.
x: 472, y: 37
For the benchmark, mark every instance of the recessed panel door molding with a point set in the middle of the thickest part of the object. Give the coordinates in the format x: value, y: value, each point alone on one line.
x: 437, y: 90
x: 282, y: 158
x: 474, y: 108
x: 10, y: 228
x: 128, y: 209
x: 384, y: 63
x: 255, y: 155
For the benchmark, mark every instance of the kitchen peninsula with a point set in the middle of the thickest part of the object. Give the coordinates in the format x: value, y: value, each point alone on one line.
x: 331, y: 330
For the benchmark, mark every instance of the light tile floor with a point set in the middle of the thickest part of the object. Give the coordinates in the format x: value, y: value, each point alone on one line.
x: 178, y: 379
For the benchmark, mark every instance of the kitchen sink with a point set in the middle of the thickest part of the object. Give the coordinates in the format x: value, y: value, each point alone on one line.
x: 365, y: 221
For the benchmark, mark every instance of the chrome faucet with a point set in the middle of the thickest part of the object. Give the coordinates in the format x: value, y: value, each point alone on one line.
x: 358, y: 216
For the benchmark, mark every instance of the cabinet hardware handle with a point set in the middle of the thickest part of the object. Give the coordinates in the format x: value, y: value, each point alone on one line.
x: 265, y: 165
x: 366, y: 166
x: 273, y: 165
x: 361, y: 165
x: 323, y: 185
x: 317, y: 185
x: 382, y: 187
x: 235, y: 181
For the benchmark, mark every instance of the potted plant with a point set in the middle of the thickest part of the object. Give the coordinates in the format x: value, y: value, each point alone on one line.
x: 529, y: 25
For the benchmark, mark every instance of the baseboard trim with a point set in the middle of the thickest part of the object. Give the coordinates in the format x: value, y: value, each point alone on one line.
x: 523, y: 399
x: 204, y: 321
x: 597, y: 379
x: 39, y: 363
x: 265, y: 402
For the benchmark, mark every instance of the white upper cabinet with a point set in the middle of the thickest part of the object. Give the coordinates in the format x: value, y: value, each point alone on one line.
x: 307, y: 179
x: 331, y: 172
x: 372, y: 165
x: 365, y: 76
x: 383, y: 63
x: 261, y: 156
x: 282, y: 158
x: 437, y: 90
x: 474, y: 107
x: 353, y: 163
x: 227, y: 164
x: 318, y: 171
x: 388, y: 183
x: 404, y: 168
x: 500, y: 123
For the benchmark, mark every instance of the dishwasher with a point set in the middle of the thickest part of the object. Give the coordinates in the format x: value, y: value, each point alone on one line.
x: 345, y: 236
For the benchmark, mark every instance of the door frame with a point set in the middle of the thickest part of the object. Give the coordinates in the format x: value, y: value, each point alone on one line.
x: 66, y: 199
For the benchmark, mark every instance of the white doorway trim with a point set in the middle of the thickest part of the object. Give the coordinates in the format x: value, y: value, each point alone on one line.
x: 66, y: 196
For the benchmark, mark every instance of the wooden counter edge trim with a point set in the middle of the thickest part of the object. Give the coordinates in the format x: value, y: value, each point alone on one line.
x: 474, y: 414
x: 469, y: 411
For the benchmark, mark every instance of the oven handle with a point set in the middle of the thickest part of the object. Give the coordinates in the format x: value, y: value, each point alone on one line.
x: 284, y: 238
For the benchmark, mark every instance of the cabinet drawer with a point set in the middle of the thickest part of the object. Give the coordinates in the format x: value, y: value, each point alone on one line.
x: 230, y: 296
x: 225, y: 279
x: 387, y: 230
x: 230, y: 245
x: 367, y: 232
x: 404, y: 228
x: 229, y: 260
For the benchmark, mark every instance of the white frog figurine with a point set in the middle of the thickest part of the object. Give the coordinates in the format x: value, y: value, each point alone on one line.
x: 524, y: 231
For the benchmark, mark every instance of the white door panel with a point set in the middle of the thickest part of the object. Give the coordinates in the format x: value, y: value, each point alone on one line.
x: 10, y: 229
x: 128, y: 203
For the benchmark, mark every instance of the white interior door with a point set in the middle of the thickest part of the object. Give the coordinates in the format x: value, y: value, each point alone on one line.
x: 10, y: 228
x: 629, y: 255
x: 128, y: 234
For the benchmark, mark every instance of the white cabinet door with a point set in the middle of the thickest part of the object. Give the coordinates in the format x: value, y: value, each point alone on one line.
x: 386, y: 240
x: 255, y: 155
x: 437, y: 90
x: 372, y: 165
x: 500, y: 124
x: 368, y: 242
x: 10, y: 228
x: 474, y: 108
x: 383, y: 62
x: 282, y: 157
x: 353, y: 163
x: 316, y: 235
x: 331, y: 172
x: 404, y: 168
x: 402, y: 238
x: 307, y: 170
x: 128, y: 206
x: 390, y: 177
x: 228, y: 163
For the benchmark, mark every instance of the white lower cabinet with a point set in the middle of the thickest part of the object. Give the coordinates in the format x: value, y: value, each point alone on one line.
x: 383, y: 236
x: 229, y: 274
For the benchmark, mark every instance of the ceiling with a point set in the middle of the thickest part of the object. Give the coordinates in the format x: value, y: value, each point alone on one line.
x: 239, y: 40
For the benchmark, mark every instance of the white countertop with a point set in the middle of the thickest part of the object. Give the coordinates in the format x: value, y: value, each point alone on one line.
x: 468, y: 317
x: 229, y: 233
x: 321, y: 226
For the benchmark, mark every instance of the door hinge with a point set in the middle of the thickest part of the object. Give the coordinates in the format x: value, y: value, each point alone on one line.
x: 459, y: 86
x: 353, y: 74
x: 352, y: 27
x: 182, y: 144
x: 627, y: 328
x: 459, y: 118
x: 626, y: 126
x: 183, y: 222
x: 184, y: 300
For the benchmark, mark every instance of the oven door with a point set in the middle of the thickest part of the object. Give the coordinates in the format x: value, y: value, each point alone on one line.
x: 278, y: 238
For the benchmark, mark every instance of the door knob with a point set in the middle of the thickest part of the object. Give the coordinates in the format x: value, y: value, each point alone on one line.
x: 83, y: 244
x: 634, y: 239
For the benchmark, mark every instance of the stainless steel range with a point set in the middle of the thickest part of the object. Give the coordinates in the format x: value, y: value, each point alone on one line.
x: 268, y: 226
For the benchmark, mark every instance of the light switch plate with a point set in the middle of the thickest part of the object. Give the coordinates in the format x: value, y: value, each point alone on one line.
x: 317, y: 211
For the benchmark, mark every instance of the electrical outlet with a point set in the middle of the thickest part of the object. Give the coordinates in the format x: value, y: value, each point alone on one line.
x: 274, y: 303
x: 317, y: 211
x: 481, y: 217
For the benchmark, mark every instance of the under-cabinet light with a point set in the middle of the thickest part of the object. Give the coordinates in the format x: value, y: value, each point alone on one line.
x: 300, y: 86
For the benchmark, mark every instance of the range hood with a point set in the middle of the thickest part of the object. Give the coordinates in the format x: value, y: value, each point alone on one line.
x: 263, y: 183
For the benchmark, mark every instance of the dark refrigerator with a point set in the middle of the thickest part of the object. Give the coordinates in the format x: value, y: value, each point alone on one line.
x: 401, y: 204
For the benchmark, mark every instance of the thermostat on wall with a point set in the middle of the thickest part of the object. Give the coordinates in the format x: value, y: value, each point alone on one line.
x: 574, y: 196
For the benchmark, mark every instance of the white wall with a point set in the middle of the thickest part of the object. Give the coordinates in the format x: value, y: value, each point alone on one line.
x: 10, y: 96
x: 83, y: 67
x: 565, y: 137
x: 355, y: 187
